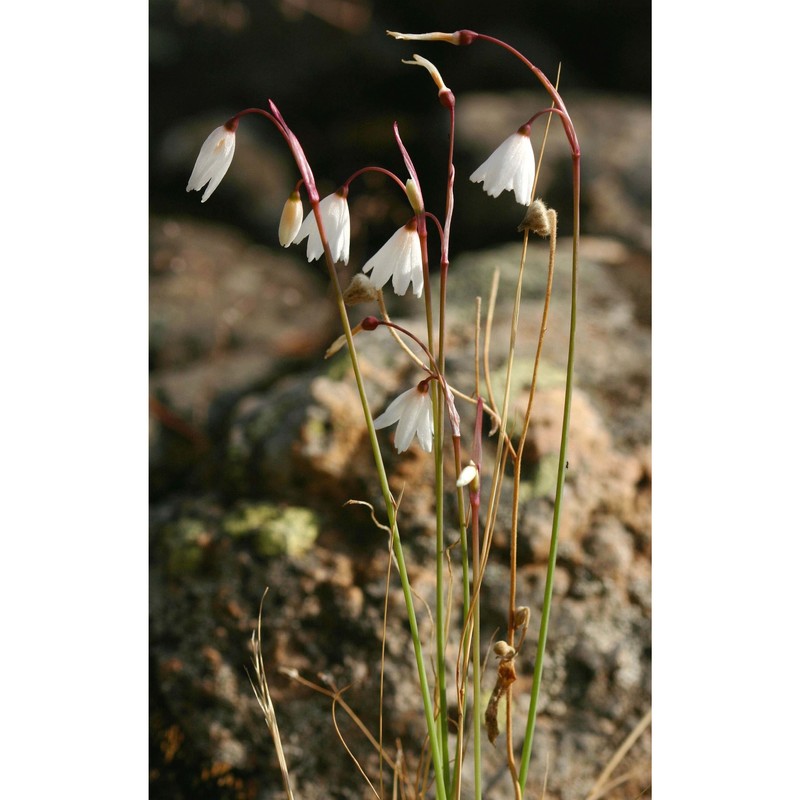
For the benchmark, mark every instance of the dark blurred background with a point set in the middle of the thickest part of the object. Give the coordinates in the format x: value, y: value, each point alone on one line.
x: 339, y: 83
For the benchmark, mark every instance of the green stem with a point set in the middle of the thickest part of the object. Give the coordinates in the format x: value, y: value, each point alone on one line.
x: 455, y: 791
x: 441, y: 632
x: 476, y: 646
x: 437, y: 398
x: 441, y: 619
x: 562, y: 457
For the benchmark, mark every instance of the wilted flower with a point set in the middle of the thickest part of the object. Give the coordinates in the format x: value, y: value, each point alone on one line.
x: 413, y: 413
x: 399, y: 259
x: 336, y: 220
x: 215, y: 157
x: 291, y: 219
x: 511, y: 166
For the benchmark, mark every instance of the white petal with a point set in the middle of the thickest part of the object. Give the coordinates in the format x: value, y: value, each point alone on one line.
x: 407, y: 425
x: 213, y: 161
x: 410, y: 258
x: 393, y: 411
x: 400, y: 259
x: 336, y: 220
x: 381, y: 271
x: 511, y: 167
x: 417, y: 279
x: 382, y: 264
x: 340, y: 244
x: 425, y: 425
x: 413, y: 413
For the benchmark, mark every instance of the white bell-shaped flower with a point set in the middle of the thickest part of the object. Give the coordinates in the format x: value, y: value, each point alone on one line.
x: 215, y: 157
x: 413, y: 413
x: 399, y: 259
x: 336, y: 220
x: 511, y: 167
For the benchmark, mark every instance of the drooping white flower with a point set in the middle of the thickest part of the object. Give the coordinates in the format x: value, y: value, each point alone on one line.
x: 215, y: 157
x: 399, y: 259
x: 336, y: 220
x: 413, y: 413
x: 291, y: 219
x: 511, y: 167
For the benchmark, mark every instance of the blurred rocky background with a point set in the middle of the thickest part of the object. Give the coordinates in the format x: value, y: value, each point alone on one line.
x: 257, y: 442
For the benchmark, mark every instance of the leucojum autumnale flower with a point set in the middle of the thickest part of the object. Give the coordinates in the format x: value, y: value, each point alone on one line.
x: 427, y: 412
x: 413, y: 413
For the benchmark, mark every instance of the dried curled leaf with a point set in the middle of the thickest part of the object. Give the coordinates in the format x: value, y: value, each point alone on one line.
x: 506, y: 675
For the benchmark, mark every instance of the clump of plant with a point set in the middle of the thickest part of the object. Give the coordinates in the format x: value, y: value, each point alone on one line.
x: 428, y: 414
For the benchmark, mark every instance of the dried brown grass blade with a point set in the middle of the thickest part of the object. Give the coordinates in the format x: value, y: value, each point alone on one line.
x: 261, y: 691
x: 599, y: 788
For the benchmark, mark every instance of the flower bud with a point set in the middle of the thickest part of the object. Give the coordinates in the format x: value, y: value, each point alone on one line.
x: 291, y: 219
x: 468, y: 475
x: 537, y: 219
x: 369, y: 323
x: 414, y: 196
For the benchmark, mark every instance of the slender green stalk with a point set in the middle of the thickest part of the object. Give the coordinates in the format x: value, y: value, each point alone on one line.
x: 455, y: 784
x: 476, y: 646
x: 441, y: 627
x: 527, y: 744
x: 437, y: 398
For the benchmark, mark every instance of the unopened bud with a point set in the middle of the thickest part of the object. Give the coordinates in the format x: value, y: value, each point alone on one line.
x: 468, y: 475
x: 360, y: 290
x: 414, y: 196
x: 291, y: 219
x: 369, y: 323
x: 537, y: 219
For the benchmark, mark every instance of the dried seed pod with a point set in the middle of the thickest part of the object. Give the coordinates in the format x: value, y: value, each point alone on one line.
x: 360, y: 290
x: 503, y: 649
x: 522, y: 616
x: 537, y: 219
